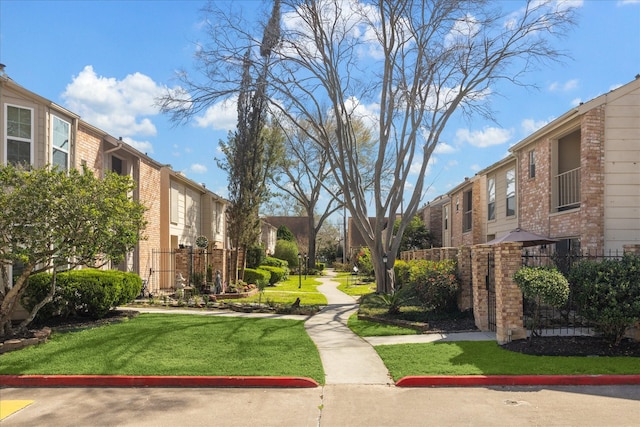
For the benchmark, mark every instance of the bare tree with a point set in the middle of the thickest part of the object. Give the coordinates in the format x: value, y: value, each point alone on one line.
x: 418, y: 62
x: 305, y: 176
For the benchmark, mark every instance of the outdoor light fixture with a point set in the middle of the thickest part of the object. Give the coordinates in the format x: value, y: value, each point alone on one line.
x: 384, y: 261
x: 299, y: 270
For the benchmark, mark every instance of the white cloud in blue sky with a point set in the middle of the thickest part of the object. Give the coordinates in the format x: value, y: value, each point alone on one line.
x: 486, y: 137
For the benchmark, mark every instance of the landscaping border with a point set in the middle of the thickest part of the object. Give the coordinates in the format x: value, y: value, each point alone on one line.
x: 515, y: 380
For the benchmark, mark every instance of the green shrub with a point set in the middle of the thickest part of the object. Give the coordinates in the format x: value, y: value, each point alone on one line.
x: 364, y: 263
x: 89, y: 292
x: 287, y: 251
x: 255, y: 256
x: 275, y: 262
x: 543, y: 285
x: 401, y: 272
x: 278, y: 274
x: 257, y: 276
x: 283, y: 233
x: 608, y: 293
x: 434, y: 284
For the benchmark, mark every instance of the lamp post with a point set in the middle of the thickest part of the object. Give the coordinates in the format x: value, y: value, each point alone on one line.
x: 299, y: 270
x: 384, y: 261
x: 306, y: 265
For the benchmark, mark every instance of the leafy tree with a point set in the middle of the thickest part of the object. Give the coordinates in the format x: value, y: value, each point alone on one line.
x: 52, y: 220
x: 287, y: 251
x: 416, y: 235
x: 284, y: 233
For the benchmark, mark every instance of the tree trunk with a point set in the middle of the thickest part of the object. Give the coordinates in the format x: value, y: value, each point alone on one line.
x: 385, y: 277
x: 311, y: 261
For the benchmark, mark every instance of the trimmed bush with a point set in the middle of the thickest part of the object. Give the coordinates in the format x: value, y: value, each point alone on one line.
x: 543, y: 285
x: 89, y: 292
x: 275, y: 262
x: 434, y: 284
x: 287, y: 251
x: 257, y: 276
x: 608, y: 293
x: 364, y: 263
x: 278, y: 274
x: 401, y: 272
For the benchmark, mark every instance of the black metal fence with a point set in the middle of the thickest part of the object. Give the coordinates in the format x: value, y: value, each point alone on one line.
x: 565, y: 320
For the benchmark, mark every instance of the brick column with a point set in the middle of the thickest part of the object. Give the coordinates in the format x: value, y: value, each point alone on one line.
x: 463, y: 260
x: 632, y: 249
x: 509, y: 325
x: 479, y: 273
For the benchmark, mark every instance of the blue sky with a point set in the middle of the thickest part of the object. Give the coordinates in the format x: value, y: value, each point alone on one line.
x: 107, y: 60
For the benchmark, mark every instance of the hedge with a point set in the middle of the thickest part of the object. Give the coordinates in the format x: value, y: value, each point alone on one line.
x: 278, y: 274
x: 88, y: 292
x: 257, y: 276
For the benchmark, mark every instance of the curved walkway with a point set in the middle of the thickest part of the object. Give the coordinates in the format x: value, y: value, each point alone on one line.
x: 346, y: 358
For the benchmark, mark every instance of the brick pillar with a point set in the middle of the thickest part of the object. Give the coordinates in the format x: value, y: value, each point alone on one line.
x: 592, y: 180
x: 509, y: 325
x: 463, y: 260
x: 479, y: 273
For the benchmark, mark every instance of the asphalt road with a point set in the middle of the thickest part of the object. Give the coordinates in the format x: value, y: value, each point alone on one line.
x: 331, y: 405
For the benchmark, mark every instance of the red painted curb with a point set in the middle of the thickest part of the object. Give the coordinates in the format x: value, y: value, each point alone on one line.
x: 152, y: 381
x: 516, y: 380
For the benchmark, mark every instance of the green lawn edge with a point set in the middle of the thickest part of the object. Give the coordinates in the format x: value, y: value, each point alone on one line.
x: 175, y: 344
x: 488, y: 358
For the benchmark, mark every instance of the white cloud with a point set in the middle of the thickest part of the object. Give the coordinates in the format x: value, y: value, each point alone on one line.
x: 221, y: 116
x: 564, y: 87
x: 475, y: 167
x: 626, y: 2
x: 414, y: 169
x: 142, y: 146
x: 452, y: 163
x: 444, y: 148
x: 198, y: 168
x: 576, y: 101
x: 120, y: 107
x: 530, y: 125
x: 484, y: 138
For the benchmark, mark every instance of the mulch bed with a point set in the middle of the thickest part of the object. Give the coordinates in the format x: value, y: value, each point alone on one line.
x: 574, y: 346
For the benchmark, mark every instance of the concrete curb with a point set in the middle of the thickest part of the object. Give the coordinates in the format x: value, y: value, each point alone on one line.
x: 153, y: 381
x: 516, y: 380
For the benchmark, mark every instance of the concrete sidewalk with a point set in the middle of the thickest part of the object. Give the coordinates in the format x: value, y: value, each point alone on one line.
x: 346, y: 358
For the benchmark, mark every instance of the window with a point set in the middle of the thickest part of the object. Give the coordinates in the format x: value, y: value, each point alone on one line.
x: 532, y: 164
x: 511, y: 192
x: 60, y: 136
x: 446, y: 217
x: 467, y: 207
x: 175, y: 200
x: 491, y: 198
x: 19, y: 134
x: 117, y: 165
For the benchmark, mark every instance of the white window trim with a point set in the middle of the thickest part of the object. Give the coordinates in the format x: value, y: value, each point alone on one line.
x: 53, y: 147
x: 16, y: 138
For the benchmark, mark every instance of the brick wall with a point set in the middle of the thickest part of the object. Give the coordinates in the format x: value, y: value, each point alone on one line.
x: 534, y: 194
x: 148, y: 189
x: 88, y: 150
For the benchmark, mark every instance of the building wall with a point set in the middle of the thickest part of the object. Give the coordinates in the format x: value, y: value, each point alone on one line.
x: 622, y: 171
x: 148, y: 187
x: 501, y: 224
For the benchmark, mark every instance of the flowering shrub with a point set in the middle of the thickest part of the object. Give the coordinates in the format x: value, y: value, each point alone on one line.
x: 434, y: 283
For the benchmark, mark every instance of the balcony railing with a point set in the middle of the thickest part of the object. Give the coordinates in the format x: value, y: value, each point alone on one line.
x: 568, y: 189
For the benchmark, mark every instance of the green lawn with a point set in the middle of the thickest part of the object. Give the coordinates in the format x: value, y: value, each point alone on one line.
x: 287, y: 291
x: 156, y: 344
x: 352, y: 285
x: 488, y: 358
x: 364, y: 328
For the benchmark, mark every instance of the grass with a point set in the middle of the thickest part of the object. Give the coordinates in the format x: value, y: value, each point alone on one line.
x: 353, y: 286
x: 156, y: 344
x: 364, y: 328
x: 287, y: 291
x: 488, y: 358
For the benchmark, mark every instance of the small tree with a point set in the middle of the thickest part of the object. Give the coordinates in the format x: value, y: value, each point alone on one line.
x: 543, y: 285
x: 54, y: 219
x: 284, y: 233
x: 287, y: 251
